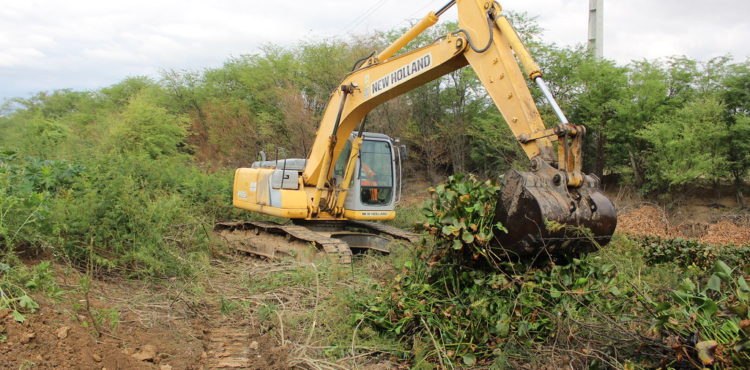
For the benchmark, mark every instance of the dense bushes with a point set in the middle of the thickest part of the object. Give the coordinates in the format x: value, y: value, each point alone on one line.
x: 455, y: 312
x: 26, y: 189
x: 117, y: 213
x: 456, y: 308
x: 123, y: 195
x: 146, y: 219
x: 689, y: 252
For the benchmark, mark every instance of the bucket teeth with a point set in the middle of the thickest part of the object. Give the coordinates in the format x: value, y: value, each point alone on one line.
x: 542, y: 214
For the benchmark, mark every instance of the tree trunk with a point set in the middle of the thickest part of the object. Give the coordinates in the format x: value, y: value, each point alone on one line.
x: 637, y: 173
x: 738, y: 186
x: 599, y: 165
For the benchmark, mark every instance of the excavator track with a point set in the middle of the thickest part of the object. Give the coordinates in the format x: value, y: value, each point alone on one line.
x: 335, y: 240
x: 391, y: 231
x: 275, y: 241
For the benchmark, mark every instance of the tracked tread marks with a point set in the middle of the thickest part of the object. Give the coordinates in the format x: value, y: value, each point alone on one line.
x: 228, y: 348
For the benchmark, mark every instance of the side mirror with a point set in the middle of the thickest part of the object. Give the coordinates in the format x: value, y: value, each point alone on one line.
x: 404, y: 152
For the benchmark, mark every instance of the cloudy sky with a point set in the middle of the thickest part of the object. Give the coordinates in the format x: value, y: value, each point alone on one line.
x: 88, y: 44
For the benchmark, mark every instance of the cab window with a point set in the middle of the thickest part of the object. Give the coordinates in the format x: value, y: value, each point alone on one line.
x: 376, y: 172
x: 340, y: 166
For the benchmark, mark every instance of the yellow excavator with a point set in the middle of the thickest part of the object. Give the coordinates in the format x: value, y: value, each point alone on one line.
x: 352, y: 177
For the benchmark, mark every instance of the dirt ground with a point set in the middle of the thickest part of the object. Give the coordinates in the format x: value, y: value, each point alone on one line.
x: 652, y: 220
x: 158, y: 326
x: 708, y: 220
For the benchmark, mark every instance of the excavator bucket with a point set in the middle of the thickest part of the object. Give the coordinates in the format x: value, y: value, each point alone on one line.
x: 543, y: 215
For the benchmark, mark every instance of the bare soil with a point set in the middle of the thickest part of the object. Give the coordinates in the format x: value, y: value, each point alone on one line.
x: 52, y: 339
x: 705, y: 224
x: 160, y: 326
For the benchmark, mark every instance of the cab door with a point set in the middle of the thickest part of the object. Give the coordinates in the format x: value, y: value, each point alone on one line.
x: 374, y: 184
x: 376, y: 174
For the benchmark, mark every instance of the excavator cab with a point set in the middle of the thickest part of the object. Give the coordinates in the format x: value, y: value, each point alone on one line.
x: 376, y: 185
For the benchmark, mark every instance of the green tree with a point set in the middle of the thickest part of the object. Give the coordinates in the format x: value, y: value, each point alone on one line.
x: 602, y: 85
x: 644, y: 99
x: 736, y: 96
x: 121, y: 92
x: 146, y: 128
x: 688, y: 146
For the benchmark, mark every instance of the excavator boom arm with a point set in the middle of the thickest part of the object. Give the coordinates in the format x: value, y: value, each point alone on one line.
x: 485, y: 41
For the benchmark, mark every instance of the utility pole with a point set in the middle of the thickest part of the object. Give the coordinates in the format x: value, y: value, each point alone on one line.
x: 596, y: 28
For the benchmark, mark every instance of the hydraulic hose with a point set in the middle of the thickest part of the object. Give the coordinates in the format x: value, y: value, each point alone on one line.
x: 489, y: 42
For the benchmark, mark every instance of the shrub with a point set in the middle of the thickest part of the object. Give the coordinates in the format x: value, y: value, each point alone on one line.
x: 460, y: 215
x: 18, y: 281
x: 26, y: 186
x: 145, y: 218
x: 475, y: 314
x: 687, y: 252
x: 448, y: 306
x: 711, y: 317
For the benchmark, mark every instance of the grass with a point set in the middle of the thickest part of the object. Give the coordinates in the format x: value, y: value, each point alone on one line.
x: 319, y: 309
x: 407, y: 216
x: 310, y: 307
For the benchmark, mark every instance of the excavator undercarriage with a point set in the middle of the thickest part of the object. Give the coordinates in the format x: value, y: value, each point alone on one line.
x: 336, y: 240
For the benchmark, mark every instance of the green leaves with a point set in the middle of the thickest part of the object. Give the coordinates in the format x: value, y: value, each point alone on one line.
x: 27, y: 303
x: 714, y: 283
x: 471, y: 310
x: 18, y: 316
x: 689, y: 145
x: 460, y: 215
x: 715, y: 312
x: 469, y: 359
x: 686, y: 253
x: 18, y: 281
x: 722, y: 270
x: 147, y: 128
x: 467, y: 237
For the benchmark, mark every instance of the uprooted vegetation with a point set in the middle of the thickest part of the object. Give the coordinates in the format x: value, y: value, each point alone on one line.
x: 440, y: 305
x: 622, y: 306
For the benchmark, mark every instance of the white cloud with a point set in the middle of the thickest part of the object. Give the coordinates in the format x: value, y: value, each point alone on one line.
x: 17, y: 56
x: 87, y: 44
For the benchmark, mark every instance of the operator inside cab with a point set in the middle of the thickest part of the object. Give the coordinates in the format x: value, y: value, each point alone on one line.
x: 368, y: 182
x: 375, y: 172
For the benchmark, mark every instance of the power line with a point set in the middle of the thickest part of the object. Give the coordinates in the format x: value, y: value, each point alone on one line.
x: 353, y: 24
x: 408, y: 19
x: 364, y: 16
x: 428, y: 3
